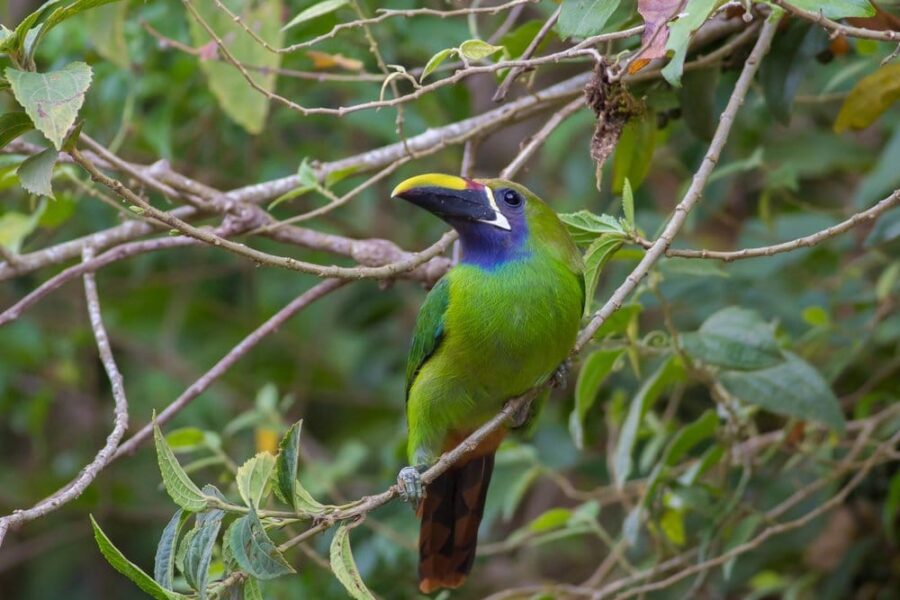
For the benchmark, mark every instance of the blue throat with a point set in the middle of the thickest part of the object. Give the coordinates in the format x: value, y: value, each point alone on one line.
x: 488, y: 247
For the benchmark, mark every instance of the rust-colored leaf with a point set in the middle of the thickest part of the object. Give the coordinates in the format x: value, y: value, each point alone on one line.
x: 323, y: 60
x: 656, y: 15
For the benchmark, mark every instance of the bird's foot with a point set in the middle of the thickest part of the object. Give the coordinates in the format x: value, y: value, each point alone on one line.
x: 560, y: 377
x: 409, y: 480
x: 521, y: 415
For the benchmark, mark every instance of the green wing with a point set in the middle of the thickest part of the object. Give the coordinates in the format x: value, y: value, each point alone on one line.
x: 429, y: 330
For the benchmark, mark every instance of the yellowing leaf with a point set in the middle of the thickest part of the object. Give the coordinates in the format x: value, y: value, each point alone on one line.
x: 323, y: 60
x: 869, y: 99
x: 477, y: 49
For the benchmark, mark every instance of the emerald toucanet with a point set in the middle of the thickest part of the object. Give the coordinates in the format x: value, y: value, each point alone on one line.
x: 497, y: 324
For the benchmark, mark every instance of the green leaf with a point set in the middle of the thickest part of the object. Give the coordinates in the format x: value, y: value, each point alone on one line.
x: 239, y: 101
x: 106, y: 30
x: 619, y: 321
x: 667, y: 373
x: 36, y: 172
x: 64, y: 13
x: 254, y: 551
x: 549, y: 520
x: 164, y: 563
x: 181, y: 489
x: 792, y: 388
x: 584, y: 226
x: 251, y: 590
x: 689, y: 20
x: 597, y: 255
x: 837, y: 9
x: 127, y: 568
x: 52, y: 100
x: 594, y: 371
x: 316, y: 10
x: 710, y: 458
x: 634, y: 151
x: 15, y: 227
x: 435, y: 61
x: 286, y: 464
x: 517, y: 40
x: 691, y: 435
x: 584, y: 18
x: 199, y: 552
x: 477, y: 49
x: 734, y: 338
x: 869, y: 98
x: 344, y: 567
x: 672, y: 525
x: 12, y: 125
x: 793, y: 51
x: 15, y: 43
x: 186, y: 439
x: 698, y: 102
x: 253, y: 476
x: 742, y: 532
x: 628, y: 203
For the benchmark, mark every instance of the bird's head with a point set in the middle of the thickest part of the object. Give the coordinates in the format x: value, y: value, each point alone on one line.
x: 494, y: 217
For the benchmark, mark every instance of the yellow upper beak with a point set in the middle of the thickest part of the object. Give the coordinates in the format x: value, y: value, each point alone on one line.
x: 449, y: 182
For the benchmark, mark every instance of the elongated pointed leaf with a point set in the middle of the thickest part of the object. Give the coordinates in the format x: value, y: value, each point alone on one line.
x: 164, y: 564
x: 253, y: 551
x: 199, y: 552
x: 435, y: 61
x: 316, y: 10
x: 181, y: 489
x: 127, y: 568
x: 344, y: 567
x: 667, y: 373
x: 253, y: 477
x: 594, y: 371
x: 597, y: 255
x: 52, y: 100
x: 251, y: 590
x: 286, y: 464
x: 689, y: 20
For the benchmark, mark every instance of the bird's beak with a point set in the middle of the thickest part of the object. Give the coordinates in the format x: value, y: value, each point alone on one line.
x: 453, y: 199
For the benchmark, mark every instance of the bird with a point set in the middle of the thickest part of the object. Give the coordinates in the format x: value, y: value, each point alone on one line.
x: 499, y: 323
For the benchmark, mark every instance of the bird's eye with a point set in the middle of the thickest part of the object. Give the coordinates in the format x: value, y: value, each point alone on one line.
x: 512, y: 198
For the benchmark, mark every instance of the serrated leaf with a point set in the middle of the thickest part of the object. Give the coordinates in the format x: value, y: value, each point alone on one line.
x: 837, y: 9
x: 164, y: 562
x: 634, y: 151
x: 734, y: 338
x: 198, y: 554
x: 344, y: 567
x: 792, y: 388
x: 253, y: 476
x: 435, y: 61
x: 181, y: 489
x: 127, y: 568
x: 667, y: 373
x: 869, y: 99
x: 12, y: 125
x: 251, y: 590
x: 690, y: 18
x: 316, y: 10
x: 52, y: 100
x: 597, y: 255
x: 584, y: 226
x: 477, y: 49
x: 286, y: 464
x: 594, y: 371
x: 253, y: 551
x: 239, y: 101
x: 584, y: 18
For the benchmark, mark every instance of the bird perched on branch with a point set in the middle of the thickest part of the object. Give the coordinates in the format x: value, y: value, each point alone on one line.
x: 499, y: 323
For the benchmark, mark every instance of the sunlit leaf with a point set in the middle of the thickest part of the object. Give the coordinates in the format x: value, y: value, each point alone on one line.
x: 477, y: 49
x: 316, y: 10
x: 253, y: 478
x: 344, y: 567
x: 435, y: 61
x: 553, y: 518
x: 181, y: 489
x: 52, y: 100
x: 584, y: 226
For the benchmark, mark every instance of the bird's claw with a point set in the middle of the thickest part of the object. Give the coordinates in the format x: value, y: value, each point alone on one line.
x: 560, y: 377
x: 409, y: 481
x: 521, y: 415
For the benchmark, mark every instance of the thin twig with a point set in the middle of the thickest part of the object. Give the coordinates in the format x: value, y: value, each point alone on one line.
x: 105, y: 455
x: 839, y: 28
x: 503, y: 89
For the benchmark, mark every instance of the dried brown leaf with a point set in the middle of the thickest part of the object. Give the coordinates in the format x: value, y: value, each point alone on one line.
x: 656, y: 14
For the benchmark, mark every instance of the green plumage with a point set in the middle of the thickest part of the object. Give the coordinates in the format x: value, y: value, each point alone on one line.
x: 485, y: 335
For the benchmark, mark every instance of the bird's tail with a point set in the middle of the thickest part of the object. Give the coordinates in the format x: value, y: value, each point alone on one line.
x: 451, y: 513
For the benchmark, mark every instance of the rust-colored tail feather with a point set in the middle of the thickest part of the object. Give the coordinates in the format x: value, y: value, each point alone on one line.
x: 451, y: 514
